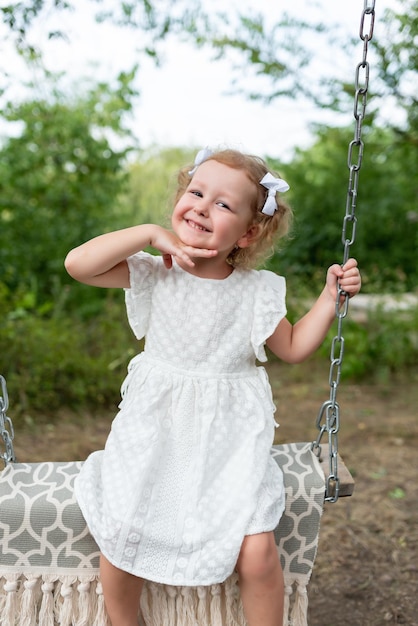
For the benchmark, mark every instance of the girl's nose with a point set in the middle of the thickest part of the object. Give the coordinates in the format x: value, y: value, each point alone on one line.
x: 201, y: 208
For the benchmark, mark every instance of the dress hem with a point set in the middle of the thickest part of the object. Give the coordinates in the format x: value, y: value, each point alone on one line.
x: 163, y: 581
x: 184, y: 583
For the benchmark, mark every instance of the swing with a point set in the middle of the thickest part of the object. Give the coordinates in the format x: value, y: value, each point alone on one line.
x: 49, y: 563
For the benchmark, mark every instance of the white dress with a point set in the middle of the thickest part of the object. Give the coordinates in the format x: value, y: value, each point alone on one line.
x: 186, y: 472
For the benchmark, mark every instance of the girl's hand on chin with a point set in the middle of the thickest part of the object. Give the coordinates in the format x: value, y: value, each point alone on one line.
x: 185, y: 254
x: 171, y: 247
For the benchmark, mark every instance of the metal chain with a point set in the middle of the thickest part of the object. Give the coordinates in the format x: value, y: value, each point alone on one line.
x: 6, y: 426
x: 328, y: 419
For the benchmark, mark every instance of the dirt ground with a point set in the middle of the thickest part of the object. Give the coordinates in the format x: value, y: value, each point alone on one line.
x: 366, y: 572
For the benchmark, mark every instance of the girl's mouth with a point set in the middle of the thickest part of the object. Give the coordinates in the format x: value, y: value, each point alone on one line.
x: 197, y: 226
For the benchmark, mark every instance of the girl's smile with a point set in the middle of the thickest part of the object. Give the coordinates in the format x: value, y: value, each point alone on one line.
x: 197, y: 226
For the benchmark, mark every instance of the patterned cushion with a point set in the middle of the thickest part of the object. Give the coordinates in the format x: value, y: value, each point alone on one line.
x: 49, y: 561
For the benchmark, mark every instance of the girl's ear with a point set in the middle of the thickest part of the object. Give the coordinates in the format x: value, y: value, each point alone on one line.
x: 249, y: 237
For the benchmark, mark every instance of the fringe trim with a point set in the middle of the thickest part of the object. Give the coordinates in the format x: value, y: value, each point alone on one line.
x: 299, y: 614
x: 33, y: 600
x: 215, y: 605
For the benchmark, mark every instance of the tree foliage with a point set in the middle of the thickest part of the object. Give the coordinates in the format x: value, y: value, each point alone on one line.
x: 152, y: 180
x: 279, y: 56
x: 386, y: 237
x: 154, y: 19
x: 60, y: 176
x: 398, y: 67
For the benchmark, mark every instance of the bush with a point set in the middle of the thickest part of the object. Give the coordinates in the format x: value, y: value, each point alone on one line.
x: 51, y: 363
x: 77, y: 362
x: 384, y: 346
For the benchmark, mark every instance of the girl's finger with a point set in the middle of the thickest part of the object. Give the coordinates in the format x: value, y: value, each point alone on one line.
x: 200, y: 252
x: 182, y: 256
x: 350, y: 264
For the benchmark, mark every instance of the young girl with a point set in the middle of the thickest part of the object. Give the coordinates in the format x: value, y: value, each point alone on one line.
x: 185, y: 491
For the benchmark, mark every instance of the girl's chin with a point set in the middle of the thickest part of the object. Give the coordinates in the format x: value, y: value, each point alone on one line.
x: 195, y: 238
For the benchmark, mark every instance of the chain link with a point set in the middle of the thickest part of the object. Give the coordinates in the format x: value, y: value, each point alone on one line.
x: 328, y: 419
x: 6, y: 426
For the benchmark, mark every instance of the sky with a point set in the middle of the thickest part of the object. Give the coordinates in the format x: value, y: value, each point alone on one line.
x: 186, y: 101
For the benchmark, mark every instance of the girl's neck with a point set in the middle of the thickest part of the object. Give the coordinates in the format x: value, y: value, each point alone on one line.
x: 209, y: 268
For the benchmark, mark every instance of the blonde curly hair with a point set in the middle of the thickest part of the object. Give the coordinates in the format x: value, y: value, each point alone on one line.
x: 269, y: 228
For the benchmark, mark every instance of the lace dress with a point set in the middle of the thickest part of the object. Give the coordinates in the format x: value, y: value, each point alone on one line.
x: 186, y: 472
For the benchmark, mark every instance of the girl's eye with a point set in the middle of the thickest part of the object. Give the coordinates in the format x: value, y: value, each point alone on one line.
x: 196, y: 193
x: 224, y: 206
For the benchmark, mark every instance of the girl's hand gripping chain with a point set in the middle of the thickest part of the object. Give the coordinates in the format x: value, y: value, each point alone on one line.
x: 347, y: 277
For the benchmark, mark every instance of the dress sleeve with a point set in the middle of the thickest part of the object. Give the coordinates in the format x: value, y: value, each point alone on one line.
x: 139, y: 296
x: 269, y: 310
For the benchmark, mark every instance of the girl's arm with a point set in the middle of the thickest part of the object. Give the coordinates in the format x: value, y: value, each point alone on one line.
x: 102, y: 261
x: 296, y: 343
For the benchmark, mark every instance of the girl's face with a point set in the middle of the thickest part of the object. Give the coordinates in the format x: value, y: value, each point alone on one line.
x: 215, y: 210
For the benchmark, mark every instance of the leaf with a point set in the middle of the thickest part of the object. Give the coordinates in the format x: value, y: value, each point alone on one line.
x: 397, y: 494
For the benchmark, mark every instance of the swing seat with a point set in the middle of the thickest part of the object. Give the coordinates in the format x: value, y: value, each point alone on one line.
x: 49, y: 563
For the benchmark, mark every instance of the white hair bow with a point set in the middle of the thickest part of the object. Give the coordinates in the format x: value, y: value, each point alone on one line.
x: 201, y: 156
x: 273, y: 185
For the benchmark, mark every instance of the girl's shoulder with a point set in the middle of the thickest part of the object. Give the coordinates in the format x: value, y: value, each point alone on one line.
x: 271, y: 278
x: 267, y: 280
x: 269, y: 308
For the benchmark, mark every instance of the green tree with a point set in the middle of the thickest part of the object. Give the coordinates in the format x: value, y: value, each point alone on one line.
x: 386, y: 236
x: 152, y: 182
x: 60, y: 178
